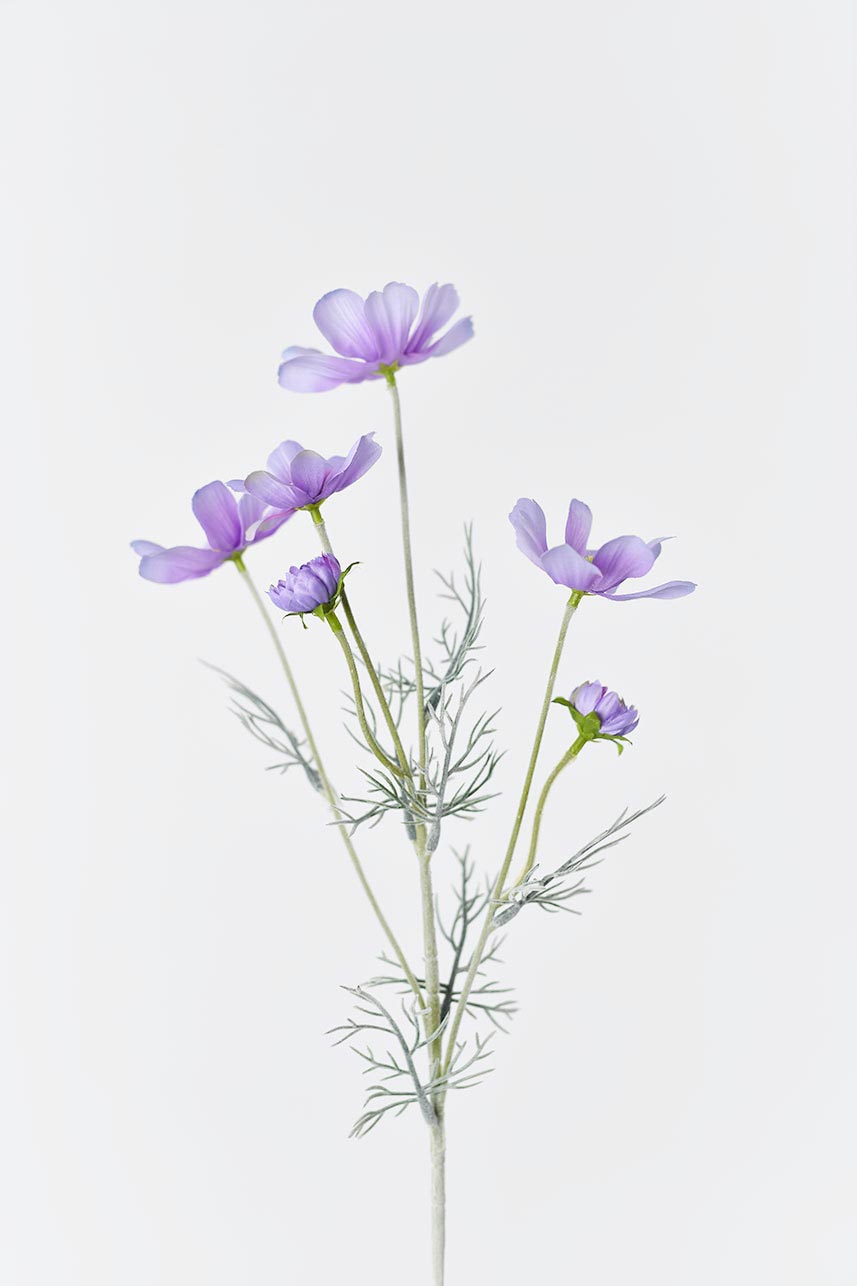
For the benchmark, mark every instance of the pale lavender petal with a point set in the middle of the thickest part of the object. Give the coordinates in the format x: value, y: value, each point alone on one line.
x: 250, y: 510
x: 621, y: 723
x: 309, y: 474
x: 528, y: 519
x: 439, y: 303
x: 280, y: 460
x: 280, y: 495
x: 671, y: 589
x: 390, y: 313
x: 620, y: 558
x: 566, y: 566
x: 180, y: 563
x: 273, y: 522
x: 216, y: 511
x: 236, y: 484
x: 144, y: 547
x: 578, y: 525
x: 359, y: 460
x: 585, y: 697
x: 454, y: 338
x: 607, y: 706
x: 656, y: 544
x: 341, y: 318
x: 316, y: 373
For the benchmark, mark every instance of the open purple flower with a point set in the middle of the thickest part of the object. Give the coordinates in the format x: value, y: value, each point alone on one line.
x: 588, y: 571
x: 230, y: 523
x: 616, y: 719
x: 296, y: 479
x: 307, y: 588
x: 382, y: 330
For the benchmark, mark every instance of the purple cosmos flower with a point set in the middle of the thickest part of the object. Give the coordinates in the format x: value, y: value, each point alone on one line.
x: 306, y: 588
x: 230, y: 524
x: 616, y: 719
x: 588, y: 571
x: 374, y: 332
x: 296, y: 478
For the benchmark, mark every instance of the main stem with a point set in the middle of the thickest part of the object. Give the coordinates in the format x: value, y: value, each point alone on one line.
x: 432, y: 979
x: 500, y: 882
x: 329, y: 792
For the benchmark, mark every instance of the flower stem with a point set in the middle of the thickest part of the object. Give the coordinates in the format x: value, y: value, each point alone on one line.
x: 499, y: 883
x: 336, y: 625
x: 409, y: 569
x: 363, y: 650
x: 569, y: 757
x: 435, y: 1052
x: 329, y: 792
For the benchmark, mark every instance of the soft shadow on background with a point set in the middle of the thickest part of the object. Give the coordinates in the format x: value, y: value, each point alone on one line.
x: 649, y: 211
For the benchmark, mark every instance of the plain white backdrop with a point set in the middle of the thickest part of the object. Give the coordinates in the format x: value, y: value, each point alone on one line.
x: 649, y: 209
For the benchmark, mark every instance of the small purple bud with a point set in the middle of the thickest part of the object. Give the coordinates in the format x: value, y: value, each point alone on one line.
x: 615, y: 718
x: 303, y: 589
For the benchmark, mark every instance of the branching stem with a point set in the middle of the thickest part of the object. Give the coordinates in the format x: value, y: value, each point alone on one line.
x: 500, y: 882
x: 329, y: 792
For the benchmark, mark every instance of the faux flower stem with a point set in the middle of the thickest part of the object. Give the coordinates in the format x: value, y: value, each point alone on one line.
x: 569, y: 757
x: 409, y: 568
x: 363, y: 650
x: 329, y: 792
x: 500, y: 882
x: 336, y: 625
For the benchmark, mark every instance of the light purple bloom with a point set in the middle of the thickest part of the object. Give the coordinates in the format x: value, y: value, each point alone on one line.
x: 296, y: 478
x: 230, y: 524
x: 600, y: 571
x: 305, y: 588
x: 617, y: 719
x: 382, y: 330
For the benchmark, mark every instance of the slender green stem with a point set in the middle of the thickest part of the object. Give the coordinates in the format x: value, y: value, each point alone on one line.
x: 409, y: 570
x: 364, y: 651
x: 500, y: 882
x: 327, y: 787
x: 336, y: 625
x: 569, y: 757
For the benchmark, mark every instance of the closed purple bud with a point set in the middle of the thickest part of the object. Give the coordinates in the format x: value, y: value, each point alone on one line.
x: 615, y: 718
x: 304, y: 589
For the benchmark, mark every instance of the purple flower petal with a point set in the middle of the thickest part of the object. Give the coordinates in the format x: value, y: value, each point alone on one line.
x: 656, y: 544
x: 250, y: 510
x: 306, y: 371
x: 280, y: 459
x: 144, y: 547
x: 309, y: 474
x: 566, y: 566
x: 607, y: 705
x: 454, y: 338
x: 621, y: 558
x: 216, y: 511
x: 585, y: 697
x: 671, y: 589
x: 273, y: 522
x: 390, y: 313
x: 621, y: 723
x: 180, y: 563
x: 439, y: 303
x: 341, y: 318
x: 578, y: 525
x: 280, y: 495
x: 528, y: 519
x: 359, y: 460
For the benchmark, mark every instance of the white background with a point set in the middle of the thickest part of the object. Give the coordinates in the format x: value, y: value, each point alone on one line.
x: 648, y: 208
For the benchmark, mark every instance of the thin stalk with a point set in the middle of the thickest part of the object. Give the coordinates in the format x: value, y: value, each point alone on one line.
x: 409, y: 569
x: 500, y: 882
x: 336, y: 625
x: 327, y: 787
x: 364, y: 651
x: 569, y: 757
x: 435, y: 1052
